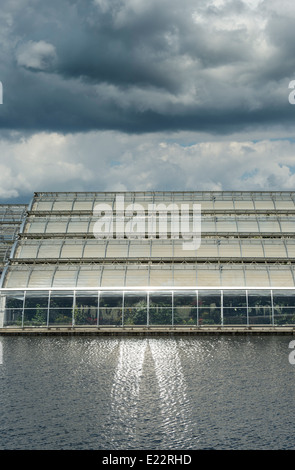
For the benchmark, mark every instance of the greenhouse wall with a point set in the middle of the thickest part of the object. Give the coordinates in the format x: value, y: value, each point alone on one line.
x: 74, y: 308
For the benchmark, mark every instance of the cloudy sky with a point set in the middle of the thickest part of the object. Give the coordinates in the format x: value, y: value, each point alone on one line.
x: 146, y: 95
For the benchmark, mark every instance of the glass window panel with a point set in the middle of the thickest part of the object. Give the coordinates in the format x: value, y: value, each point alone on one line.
x: 86, y: 308
x: 259, y: 299
x: 160, y: 308
x: 110, y: 308
x: 135, y: 308
x: 235, y: 316
x: 15, y: 300
x: 260, y: 315
x: 35, y: 316
x: 209, y: 316
x: 185, y: 308
x: 283, y: 298
x: 234, y: 298
x: 61, y: 300
x: 61, y: 316
x: 13, y: 317
x: 209, y: 298
x: 35, y: 300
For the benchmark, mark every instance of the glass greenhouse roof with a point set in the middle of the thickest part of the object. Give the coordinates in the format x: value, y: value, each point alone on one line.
x: 247, y: 240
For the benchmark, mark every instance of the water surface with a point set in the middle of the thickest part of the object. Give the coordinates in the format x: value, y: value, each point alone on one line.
x: 209, y: 392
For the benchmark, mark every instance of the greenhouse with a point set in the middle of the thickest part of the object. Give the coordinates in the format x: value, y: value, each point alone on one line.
x: 100, y: 259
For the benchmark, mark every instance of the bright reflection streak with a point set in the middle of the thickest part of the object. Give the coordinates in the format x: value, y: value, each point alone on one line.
x: 125, y: 390
x: 174, y: 403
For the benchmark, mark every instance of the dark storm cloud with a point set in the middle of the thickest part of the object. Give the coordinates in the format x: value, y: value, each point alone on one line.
x: 138, y: 66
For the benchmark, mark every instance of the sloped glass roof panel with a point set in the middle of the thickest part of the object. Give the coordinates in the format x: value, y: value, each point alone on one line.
x: 43, y: 205
x: 162, y: 250
x: 137, y: 276
x: 161, y: 276
x: 229, y: 249
x: 113, y: 276
x: 269, y: 226
x: 257, y: 276
x: 41, y: 276
x: 281, y: 277
x: 62, y: 205
x: 117, y: 250
x: 252, y: 250
x: 49, y: 249
x: 288, y: 225
x: 247, y: 225
x: 94, y: 249
x: 139, y: 249
x: 72, y: 249
x: 232, y: 276
x: 17, y: 276
x: 65, y: 276
x: 184, y: 277
x: 89, y: 276
x: 208, y: 276
x: 84, y: 205
x: 56, y: 226
x: 265, y: 204
x: 274, y: 250
x: 222, y: 205
x: 78, y: 226
x: 28, y: 250
x: 244, y: 205
x: 35, y: 226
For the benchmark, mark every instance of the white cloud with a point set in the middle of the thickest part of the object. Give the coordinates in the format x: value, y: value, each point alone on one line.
x: 36, y: 55
x: 109, y: 161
